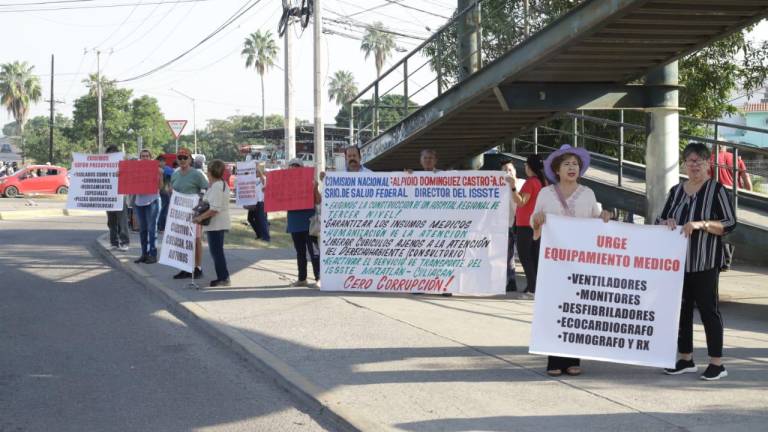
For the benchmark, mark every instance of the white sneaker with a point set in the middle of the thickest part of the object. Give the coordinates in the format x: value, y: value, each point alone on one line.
x: 299, y: 283
x: 317, y: 285
x: 114, y: 248
x: 123, y: 248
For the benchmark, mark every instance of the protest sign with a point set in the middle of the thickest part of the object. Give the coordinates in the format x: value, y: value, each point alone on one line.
x: 138, y: 177
x: 423, y: 232
x: 93, y: 182
x: 247, y: 190
x: 289, y: 189
x: 608, y: 291
x: 178, y: 248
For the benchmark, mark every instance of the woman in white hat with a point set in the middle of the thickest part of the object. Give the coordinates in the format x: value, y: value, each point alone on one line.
x: 565, y: 197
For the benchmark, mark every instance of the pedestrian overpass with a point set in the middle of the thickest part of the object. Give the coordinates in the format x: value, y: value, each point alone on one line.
x: 602, y: 54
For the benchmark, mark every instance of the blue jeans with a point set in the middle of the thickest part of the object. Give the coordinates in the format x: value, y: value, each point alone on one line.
x: 165, y: 201
x: 148, y: 227
x: 216, y: 247
x: 257, y: 217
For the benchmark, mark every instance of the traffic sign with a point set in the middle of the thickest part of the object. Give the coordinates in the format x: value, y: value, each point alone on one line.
x: 176, y: 127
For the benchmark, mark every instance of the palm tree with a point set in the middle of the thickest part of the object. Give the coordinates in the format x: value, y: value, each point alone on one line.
x: 342, y: 87
x: 260, y: 52
x: 378, y: 42
x: 18, y: 89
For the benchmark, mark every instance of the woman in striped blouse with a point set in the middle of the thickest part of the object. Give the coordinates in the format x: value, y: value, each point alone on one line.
x: 701, y: 205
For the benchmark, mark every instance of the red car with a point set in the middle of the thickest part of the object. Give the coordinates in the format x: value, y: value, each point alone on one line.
x: 42, y: 179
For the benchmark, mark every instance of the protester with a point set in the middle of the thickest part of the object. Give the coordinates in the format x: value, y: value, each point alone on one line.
x: 514, y: 183
x: 428, y: 160
x: 525, y: 199
x: 257, y: 217
x: 165, y: 193
x: 565, y: 197
x: 188, y: 180
x: 117, y: 222
x: 147, y: 209
x: 217, y: 197
x: 298, y: 227
x: 353, y: 157
x: 703, y: 208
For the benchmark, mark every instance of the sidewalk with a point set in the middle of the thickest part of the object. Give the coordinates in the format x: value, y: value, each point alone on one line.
x: 427, y: 363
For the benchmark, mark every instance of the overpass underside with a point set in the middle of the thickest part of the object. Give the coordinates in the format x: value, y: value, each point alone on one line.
x: 591, y: 58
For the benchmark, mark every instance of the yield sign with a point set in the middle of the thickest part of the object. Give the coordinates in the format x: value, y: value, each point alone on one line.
x: 176, y: 127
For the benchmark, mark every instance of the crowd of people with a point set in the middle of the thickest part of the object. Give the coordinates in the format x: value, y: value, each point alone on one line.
x: 551, y: 186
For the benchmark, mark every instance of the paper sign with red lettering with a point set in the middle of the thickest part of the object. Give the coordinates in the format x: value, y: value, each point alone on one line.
x: 608, y: 291
x: 93, y: 182
x: 138, y: 177
x: 249, y: 187
x: 289, y: 189
x: 178, y: 249
x: 415, y: 233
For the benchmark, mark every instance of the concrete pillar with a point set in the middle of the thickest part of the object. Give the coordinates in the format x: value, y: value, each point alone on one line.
x: 662, y: 153
x: 468, y: 47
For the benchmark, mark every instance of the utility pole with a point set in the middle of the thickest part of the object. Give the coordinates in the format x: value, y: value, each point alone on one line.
x: 194, y: 116
x: 98, y: 96
x: 51, y: 121
x: 290, y: 120
x: 319, y: 59
x: 468, y: 47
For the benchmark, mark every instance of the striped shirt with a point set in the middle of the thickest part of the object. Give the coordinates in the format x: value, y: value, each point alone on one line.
x: 710, y: 203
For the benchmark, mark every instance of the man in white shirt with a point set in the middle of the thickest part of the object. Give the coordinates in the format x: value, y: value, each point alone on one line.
x: 352, y: 157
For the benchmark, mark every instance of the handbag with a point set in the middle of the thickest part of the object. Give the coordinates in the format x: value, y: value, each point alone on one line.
x: 314, y: 223
x: 202, y: 207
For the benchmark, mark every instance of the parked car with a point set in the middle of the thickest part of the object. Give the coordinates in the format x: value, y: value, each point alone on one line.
x: 43, y: 179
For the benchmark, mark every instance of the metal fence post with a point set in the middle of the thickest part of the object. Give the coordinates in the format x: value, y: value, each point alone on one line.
x: 535, y: 140
x: 717, y: 157
x: 405, y: 88
x: 439, y: 65
x: 621, y: 146
x: 735, y: 180
x: 575, y: 132
x: 375, y: 109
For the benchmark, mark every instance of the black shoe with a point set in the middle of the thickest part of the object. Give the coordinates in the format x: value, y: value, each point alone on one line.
x: 140, y: 259
x: 150, y: 259
x: 681, y: 367
x: 198, y: 273
x: 182, y: 275
x: 511, y: 286
x: 447, y: 294
x: 714, y: 372
x: 215, y: 283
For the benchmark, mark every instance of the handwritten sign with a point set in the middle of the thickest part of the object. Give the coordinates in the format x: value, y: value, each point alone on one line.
x: 248, y: 187
x: 178, y: 248
x: 138, y: 177
x: 289, y: 189
x: 93, y: 182
x: 608, y: 292
x: 426, y: 232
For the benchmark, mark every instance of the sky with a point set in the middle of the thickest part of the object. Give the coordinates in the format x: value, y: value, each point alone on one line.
x: 134, y: 39
x: 135, y: 36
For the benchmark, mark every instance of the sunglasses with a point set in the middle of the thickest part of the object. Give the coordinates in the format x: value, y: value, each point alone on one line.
x: 182, y: 157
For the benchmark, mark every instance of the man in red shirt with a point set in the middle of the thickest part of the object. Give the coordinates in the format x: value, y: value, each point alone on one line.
x: 725, y: 169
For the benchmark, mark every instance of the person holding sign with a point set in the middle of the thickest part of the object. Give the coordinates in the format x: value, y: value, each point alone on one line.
x: 514, y: 183
x: 188, y: 180
x: 525, y: 197
x: 565, y: 197
x: 147, y: 208
x: 298, y: 226
x: 701, y: 205
x: 217, y: 197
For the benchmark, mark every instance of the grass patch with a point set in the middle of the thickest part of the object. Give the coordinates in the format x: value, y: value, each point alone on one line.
x: 242, y: 235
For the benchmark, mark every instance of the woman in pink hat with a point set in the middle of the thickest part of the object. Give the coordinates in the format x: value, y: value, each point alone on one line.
x: 565, y: 197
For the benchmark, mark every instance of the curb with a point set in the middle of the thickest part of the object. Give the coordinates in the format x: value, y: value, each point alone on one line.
x: 41, y: 213
x: 322, y: 402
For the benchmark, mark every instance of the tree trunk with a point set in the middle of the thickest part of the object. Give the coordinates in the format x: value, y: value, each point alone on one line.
x: 263, y: 115
x: 20, y: 128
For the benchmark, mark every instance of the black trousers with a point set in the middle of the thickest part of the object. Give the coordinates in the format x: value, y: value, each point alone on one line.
x: 511, y: 284
x: 303, y: 243
x: 700, y: 289
x: 561, y: 363
x: 528, y: 251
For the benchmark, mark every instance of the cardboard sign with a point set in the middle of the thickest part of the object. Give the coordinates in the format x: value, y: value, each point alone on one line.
x: 289, y: 189
x: 415, y: 233
x: 138, y: 177
x: 178, y: 249
x: 608, y: 291
x: 93, y: 182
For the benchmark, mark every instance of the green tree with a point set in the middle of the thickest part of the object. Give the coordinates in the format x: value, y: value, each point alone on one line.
x: 342, y: 87
x: 148, y: 122
x: 19, y: 88
x: 36, y: 135
x: 391, y: 111
x: 116, y: 115
x: 379, y: 43
x: 260, y: 52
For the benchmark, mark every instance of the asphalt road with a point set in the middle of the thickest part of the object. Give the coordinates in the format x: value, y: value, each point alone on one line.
x: 82, y: 348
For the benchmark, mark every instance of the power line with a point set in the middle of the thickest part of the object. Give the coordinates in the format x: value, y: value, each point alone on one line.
x: 226, y: 24
x: 396, y: 2
x: 106, y: 6
x: 119, y: 27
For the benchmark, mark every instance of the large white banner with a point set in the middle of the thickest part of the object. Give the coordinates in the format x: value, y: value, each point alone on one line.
x: 608, y: 291
x: 431, y: 233
x: 248, y: 187
x: 178, y: 248
x: 93, y: 182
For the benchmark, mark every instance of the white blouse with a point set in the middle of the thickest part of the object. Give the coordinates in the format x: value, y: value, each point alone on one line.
x: 582, y: 203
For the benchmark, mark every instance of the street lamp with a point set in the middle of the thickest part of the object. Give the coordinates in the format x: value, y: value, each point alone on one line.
x: 194, y: 120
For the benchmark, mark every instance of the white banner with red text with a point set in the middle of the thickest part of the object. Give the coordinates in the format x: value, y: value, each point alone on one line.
x: 608, y: 291
x: 93, y: 182
x: 425, y: 232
